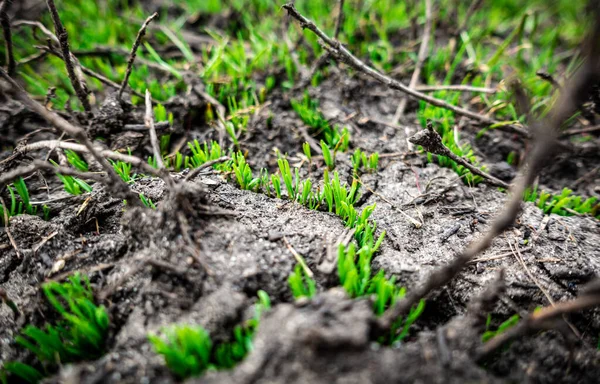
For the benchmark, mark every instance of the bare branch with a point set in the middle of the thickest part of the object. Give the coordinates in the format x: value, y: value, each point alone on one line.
x: 11, y: 64
x: 114, y: 182
x: 105, y: 153
x: 539, y: 320
x: 340, y: 53
x: 455, y: 88
x: 133, y: 54
x: 431, y: 141
x: 43, y: 166
x: 340, y: 19
x: 63, y: 38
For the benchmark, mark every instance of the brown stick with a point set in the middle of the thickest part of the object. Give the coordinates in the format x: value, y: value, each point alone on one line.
x: 420, y: 60
x: 431, y: 141
x: 455, y: 88
x: 11, y: 64
x: 133, y: 54
x: 114, y: 182
x: 538, y: 320
x: 39, y: 165
x: 340, y: 53
x: 105, y: 153
x: 63, y: 39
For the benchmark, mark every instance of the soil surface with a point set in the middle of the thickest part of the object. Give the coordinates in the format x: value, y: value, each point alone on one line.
x: 141, y: 270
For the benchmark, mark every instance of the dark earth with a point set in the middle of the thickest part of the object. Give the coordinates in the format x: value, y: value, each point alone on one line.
x: 141, y: 271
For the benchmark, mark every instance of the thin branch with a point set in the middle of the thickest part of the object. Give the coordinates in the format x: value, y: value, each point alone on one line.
x: 149, y: 122
x: 114, y: 182
x: 431, y: 141
x: 537, y: 321
x: 161, y: 125
x: 340, y: 53
x: 455, y: 88
x: 11, y: 64
x: 105, y: 153
x: 578, y: 131
x: 340, y: 19
x: 420, y: 60
x: 104, y: 80
x: 46, y: 167
x: 133, y: 54
x: 63, y: 39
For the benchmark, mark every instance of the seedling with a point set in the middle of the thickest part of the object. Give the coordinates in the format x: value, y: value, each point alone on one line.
x: 80, y: 335
x: 490, y: 334
x: 308, y: 111
x: 201, y: 153
x: 73, y: 185
x: 276, y: 182
x: 123, y: 169
x: 328, y: 157
x: 290, y: 185
x: 306, y: 149
x: 76, y: 161
x: 301, y: 284
x: 189, y: 350
x: 147, y: 202
x: 243, y: 172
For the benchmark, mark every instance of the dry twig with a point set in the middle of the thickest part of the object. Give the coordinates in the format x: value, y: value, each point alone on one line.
x: 133, y: 54
x: 542, y: 319
x: 431, y: 141
x: 340, y: 53
x: 113, y: 182
x: 63, y: 39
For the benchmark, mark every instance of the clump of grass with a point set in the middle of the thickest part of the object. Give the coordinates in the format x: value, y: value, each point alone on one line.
x: 291, y: 185
x: 360, y: 158
x: 21, y: 205
x: 308, y: 111
x: 73, y: 185
x: 564, y: 204
x: 490, y: 334
x: 147, y: 202
x: 243, y: 172
x: 328, y: 157
x: 123, y: 169
x: 79, y: 335
x: 189, y: 350
x: 301, y: 282
x: 354, y: 272
x: 202, y: 153
x: 76, y: 161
